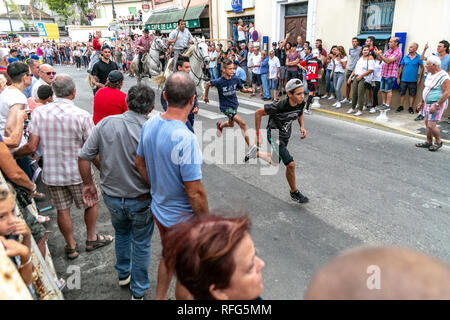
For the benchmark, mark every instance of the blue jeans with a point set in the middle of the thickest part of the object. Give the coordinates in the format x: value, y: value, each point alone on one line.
x: 133, y: 224
x: 338, y: 79
x: 213, y: 73
x: 387, y: 84
x: 330, y: 84
x: 50, y: 60
x: 265, y: 85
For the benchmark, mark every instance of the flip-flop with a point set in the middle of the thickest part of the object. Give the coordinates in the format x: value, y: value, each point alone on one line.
x: 424, y: 145
x: 436, y: 146
x: 99, y: 242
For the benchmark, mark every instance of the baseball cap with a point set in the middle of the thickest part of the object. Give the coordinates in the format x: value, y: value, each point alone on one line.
x: 274, y: 43
x: 115, y: 76
x: 293, y: 84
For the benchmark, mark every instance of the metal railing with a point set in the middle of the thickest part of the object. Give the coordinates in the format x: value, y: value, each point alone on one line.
x: 377, y: 16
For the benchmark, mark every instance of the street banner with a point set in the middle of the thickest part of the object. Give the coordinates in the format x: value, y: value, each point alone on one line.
x: 48, y: 30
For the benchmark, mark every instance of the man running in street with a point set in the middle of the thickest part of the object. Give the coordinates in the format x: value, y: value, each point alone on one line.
x: 281, y: 116
x: 228, y: 101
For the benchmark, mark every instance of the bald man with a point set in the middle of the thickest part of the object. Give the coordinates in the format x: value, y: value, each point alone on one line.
x: 46, y: 74
x: 383, y: 273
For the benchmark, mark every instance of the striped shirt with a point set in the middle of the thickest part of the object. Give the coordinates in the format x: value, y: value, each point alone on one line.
x: 63, y: 128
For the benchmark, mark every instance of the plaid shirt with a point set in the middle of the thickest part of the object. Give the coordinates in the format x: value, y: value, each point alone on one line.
x: 63, y: 128
x: 391, y: 69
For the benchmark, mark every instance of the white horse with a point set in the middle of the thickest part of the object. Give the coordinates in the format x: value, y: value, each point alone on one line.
x: 150, y: 61
x: 198, y: 55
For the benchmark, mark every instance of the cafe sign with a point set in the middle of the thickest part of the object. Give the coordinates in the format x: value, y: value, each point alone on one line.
x: 171, y: 26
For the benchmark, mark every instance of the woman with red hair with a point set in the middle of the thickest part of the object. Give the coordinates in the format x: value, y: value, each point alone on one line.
x: 214, y: 258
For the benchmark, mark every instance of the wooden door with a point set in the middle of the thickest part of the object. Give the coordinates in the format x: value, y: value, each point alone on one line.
x: 296, y: 26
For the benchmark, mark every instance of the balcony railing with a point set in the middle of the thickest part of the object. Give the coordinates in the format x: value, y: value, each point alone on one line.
x: 377, y: 16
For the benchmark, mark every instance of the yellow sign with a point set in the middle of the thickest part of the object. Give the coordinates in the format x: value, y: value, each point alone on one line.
x: 52, y: 31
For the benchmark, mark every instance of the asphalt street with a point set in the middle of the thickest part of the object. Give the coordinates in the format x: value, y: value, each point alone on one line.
x: 366, y: 187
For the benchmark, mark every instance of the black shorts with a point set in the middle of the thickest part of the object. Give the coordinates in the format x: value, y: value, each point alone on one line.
x: 280, y: 151
x: 312, y: 85
x: 256, y: 79
x: 349, y: 73
x: 411, y: 86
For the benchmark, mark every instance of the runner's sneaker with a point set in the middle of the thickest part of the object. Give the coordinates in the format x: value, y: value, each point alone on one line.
x: 298, y: 197
x: 251, y: 154
x: 219, y: 130
x: 125, y: 281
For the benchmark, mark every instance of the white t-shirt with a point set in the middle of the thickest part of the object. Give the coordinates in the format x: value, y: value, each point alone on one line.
x: 250, y: 59
x: 35, y: 88
x: 241, y: 35
x: 338, y: 65
x: 77, y: 53
x: 9, y: 97
x: 274, y: 64
x: 256, y: 61
x: 362, y: 66
x: 377, y: 66
x: 301, y: 51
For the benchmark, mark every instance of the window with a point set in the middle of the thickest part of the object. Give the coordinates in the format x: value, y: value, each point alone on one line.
x: 377, y: 16
x: 300, y: 9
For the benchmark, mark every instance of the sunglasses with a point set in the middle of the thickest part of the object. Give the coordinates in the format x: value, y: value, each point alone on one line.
x: 49, y: 73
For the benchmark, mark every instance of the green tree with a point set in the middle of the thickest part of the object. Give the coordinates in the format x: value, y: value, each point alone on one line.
x: 66, y: 8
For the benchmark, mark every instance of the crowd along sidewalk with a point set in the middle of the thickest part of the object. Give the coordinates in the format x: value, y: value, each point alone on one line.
x: 399, y: 122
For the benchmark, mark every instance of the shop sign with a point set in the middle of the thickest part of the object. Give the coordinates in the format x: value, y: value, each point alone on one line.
x: 171, y: 26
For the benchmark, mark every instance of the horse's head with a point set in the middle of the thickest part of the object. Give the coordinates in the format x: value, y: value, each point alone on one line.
x: 202, y: 49
x: 160, y: 45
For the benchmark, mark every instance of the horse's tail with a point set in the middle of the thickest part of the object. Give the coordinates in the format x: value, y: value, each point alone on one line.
x: 159, y: 80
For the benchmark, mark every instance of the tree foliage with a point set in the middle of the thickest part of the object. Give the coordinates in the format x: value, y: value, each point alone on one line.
x: 66, y: 8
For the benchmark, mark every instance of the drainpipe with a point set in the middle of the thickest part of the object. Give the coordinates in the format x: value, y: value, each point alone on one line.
x: 211, y: 36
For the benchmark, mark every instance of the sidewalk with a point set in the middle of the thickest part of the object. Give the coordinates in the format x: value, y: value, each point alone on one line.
x: 399, y: 122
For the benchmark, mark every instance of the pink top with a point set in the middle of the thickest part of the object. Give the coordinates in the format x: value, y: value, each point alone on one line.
x: 391, y: 70
x: 33, y: 104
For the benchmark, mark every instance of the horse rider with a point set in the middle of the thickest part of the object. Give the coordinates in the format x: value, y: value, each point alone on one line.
x: 96, y: 46
x: 143, y: 45
x: 181, y: 38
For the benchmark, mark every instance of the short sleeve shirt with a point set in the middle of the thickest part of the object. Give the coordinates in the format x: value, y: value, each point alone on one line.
x: 172, y: 156
x: 227, y: 92
x: 101, y: 70
x: 390, y: 70
x: 410, y: 68
x: 182, y: 40
x: 9, y: 97
x: 290, y: 58
x: 108, y: 102
x: 354, y: 54
x: 281, y: 117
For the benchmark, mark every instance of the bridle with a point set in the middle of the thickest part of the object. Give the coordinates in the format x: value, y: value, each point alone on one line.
x: 200, y: 59
x: 156, y: 47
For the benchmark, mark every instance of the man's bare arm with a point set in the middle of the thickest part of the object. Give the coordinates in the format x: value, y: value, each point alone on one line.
x: 13, y: 134
x: 139, y: 162
x: 197, y: 197
x: 29, y: 148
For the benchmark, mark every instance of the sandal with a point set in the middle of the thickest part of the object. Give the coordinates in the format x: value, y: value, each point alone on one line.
x: 38, y: 196
x: 436, y: 146
x: 99, y: 242
x: 69, y: 252
x: 42, y: 219
x: 424, y: 145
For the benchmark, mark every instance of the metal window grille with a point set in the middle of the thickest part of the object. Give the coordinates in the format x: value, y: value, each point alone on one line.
x: 377, y: 16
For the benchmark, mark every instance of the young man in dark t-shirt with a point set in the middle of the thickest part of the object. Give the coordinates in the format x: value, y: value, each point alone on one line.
x: 101, y: 69
x: 228, y: 101
x: 279, y: 128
